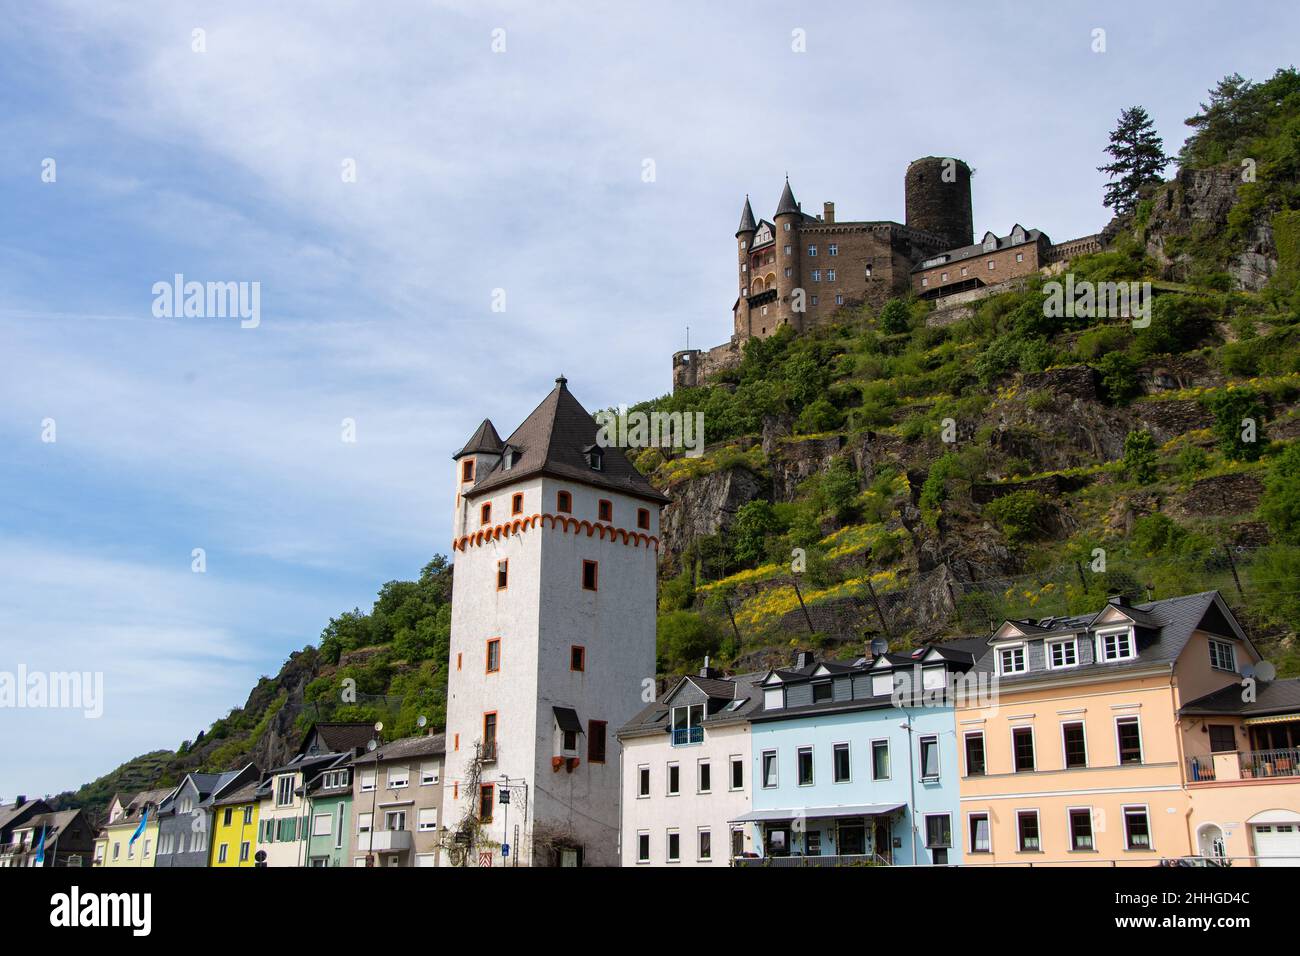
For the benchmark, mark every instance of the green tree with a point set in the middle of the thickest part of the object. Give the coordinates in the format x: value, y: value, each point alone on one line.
x: 1020, y: 515
x: 840, y: 487
x: 683, y: 638
x: 1238, y: 423
x: 1137, y: 159
x: 1119, y: 379
x: 1280, y: 505
x: 1141, y: 463
x: 755, y: 520
x: 895, y: 318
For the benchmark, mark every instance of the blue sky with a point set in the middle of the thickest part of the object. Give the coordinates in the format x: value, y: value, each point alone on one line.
x: 519, y: 170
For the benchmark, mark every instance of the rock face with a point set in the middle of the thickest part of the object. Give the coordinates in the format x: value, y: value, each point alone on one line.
x: 704, y: 506
x: 1220, y: 495
x: 1195, y: 203
x: 793, y: 461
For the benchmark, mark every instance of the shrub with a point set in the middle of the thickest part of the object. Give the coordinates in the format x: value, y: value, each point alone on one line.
x: 895, y: 318
x: 1140, y: 461
x: 1280, y: 505
x: 1020, y: 515
x: 1119, y: 380
x: 1238, y: 422
x: 755, y: 520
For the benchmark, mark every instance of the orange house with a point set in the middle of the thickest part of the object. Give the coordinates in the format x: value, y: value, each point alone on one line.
x: 1084, y: 759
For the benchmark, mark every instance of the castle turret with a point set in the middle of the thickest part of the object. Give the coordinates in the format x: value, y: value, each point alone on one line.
x: 473, y: 463
x: 788, y: 275
x: 744, y: 242
x: 937, y: 199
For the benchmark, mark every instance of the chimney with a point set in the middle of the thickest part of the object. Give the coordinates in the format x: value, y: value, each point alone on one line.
x: 802, y: 659
x: 20, y: 799
x: 1119, y: 600
x: 828, y: 211
x: 707, y: 671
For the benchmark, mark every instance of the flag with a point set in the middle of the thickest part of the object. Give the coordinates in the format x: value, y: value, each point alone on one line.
x: 40, y: 849
x: 144, y: 822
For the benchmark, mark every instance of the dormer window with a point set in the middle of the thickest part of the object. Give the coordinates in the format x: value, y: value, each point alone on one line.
x: 934, y: 677
x: 773, y: 698
x: 821, y: 691
x: 1012, y: 660
x: 1062, y: 653
x: 882, y: 685
x: 509, y: 458
x: 1117, y: 645
x: 595, y: 457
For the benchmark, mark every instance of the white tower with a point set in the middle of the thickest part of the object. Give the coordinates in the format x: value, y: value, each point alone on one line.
x: 552, y: 635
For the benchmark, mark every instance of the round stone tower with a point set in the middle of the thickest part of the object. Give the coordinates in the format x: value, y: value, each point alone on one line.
x: 937, y: 192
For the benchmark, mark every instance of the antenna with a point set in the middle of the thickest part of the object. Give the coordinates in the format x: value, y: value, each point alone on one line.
x: 421, y: 721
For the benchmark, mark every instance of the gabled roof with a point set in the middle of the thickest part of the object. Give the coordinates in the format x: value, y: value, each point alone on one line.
x: 338, y: 737
x: 733, y: 706
x: 425, y: 745
x: 12, y: 814
x: 485, y: 440
x: 551, y: 442
x: 746, y: 219
x: 568, y: 720
x: 245, y: 793
x: 977, y: 249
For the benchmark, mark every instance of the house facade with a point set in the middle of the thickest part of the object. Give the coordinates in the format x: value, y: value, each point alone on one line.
x: 185, y: 817
x: 856, y: 762
x: 54, y: 838
x: 396, y: 795
x: 686, y: 774
x: 329, y: 802
x: 123, y: 842
x: 234, y: 825
x: 552, y: 637
x: 1084, y: 761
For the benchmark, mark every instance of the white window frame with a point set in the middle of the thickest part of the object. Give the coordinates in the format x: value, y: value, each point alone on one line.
x: 643, y: 793
x: 1130, y: 636
x: 430, y: 773
x: 1151, y: 834
x: 316, y: 822
x: 1024, y: 657
x: 965, y: 751
x: 423, y: 826
x: 832, y: 249
x: 848, y: 749
x: 668, y: 845
x: 988, y: 829
x: 1064, y: 760
x: 1232, y: 655
x: 368, y: 778
x: 920, y: 760
x: 1069, y: 830
x: 223, y: 852
x: 398, y: 777
x: 700, y: 833
x: 776, y: 769
x: 365, y: 822
x: 875, y: 687
x: 773, y: 698
x: 1038, y: 826
x: 931, y: 671
x: 700, y: 766
x: 639, y: 857
x: 1142, y: 747
x: 735, y: 760
x: 668, y: 779
x: 812, y: 766
x: 1072, y: 643
x: 889, y: 758
x: 280, y: 787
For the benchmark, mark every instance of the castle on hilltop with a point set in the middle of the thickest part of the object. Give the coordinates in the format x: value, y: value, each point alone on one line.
x: 798, y: 269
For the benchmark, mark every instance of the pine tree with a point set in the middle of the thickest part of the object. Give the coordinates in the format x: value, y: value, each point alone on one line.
x: 1139, y: 155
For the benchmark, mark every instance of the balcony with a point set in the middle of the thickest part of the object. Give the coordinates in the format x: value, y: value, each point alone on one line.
x: 685, y: 736
x: 1244, y: 765
x: 387, y: 840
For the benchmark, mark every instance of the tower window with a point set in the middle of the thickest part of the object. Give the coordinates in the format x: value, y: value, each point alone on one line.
x: 596, y: 741
x: 788, y: 272
x: 992, y: 265
x: 517, y: 503
x: 494, y: 655
x: 564, y: 502
x: 485, y: 795
x: 604, y: 510
x: 830, y: 275
x: 839, y: 300
x: 467, y: 470
x: 832, y: 250
x: 485, y: 513
x: 789, y: 249
x: 812, y: 250
x: 589, y: 575
x: 817, y: 275
x: 503, y: 574
x: 643, y: 518
x: 787, y: 226
x: 814, y: 300
x: 577, y: 658
x: 868, y: 270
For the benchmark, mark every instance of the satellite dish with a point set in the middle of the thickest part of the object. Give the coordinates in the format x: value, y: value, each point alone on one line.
x: 379, y: 726
x: 421, y: 721
x: 1265, y: 671
x: 372, y: 744
x: 879, y: 646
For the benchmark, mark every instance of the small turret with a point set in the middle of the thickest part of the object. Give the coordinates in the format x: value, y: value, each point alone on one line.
x: 787, y: 220
x: 473, y: 462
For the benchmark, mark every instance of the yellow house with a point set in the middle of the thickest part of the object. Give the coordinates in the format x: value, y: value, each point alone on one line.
x: 234, y: 826
x: 1083, y: 758
x: 1243, y: 759
x: 114, y: 847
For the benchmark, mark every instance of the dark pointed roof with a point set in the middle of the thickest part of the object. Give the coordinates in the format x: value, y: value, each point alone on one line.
x: 485, y: 439
x: 787, y: 203
x: 746, y: 219
x: 551, y: 441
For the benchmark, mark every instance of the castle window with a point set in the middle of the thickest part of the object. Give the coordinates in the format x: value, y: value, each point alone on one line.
x: 517, y: 503
x: 589, y: 575
x: 839, y: 300
x: 744, y: 267
x: 817, y: 275
x: 814, y: 300
x: 789, y: 249
x: 830, y: 275
x: 1020, y: 257
x: 458, y: 657
x: 503, y: 573
x: 643, y: 518
x: 964, y: 270
x: 787, y: 227
x: 604, y: 510
x: 924, y: 282
x: 788, y: 272
x: 868, y: 270
x: 577, y: 658
x: 494, y: 655
x: 943, y: 277
x: 765, y: 313
x: 812, y: 250
x: 564, y: 502
x: 832, y: 250
x: 467, y: 470
x: 596, y: 741
x: 485, y: 794
x: 595, y: 457
x: 485, y: 513
x: 743, y: 243
x: 992, y: 265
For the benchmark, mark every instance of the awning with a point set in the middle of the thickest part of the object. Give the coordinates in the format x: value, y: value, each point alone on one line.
x: 810, y: 813
x: 568, y: 720
x: 1275, y: 719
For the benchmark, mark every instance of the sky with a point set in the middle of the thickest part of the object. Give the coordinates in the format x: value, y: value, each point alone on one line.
x: 444, y: 206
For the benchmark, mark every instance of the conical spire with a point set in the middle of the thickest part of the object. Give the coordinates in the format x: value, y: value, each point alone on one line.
x: 787, y: 203
x: 484, y: 440
x: 746, y: 219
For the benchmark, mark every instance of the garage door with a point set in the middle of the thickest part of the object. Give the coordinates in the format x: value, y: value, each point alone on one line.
x: 1277, y: 844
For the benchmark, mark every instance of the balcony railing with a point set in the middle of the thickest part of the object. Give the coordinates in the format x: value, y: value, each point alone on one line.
x: 687, y: 735
x: 848, y: 859
x: 1244, y: 765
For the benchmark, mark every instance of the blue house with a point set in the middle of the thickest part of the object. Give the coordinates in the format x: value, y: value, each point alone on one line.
x: 857, y: 761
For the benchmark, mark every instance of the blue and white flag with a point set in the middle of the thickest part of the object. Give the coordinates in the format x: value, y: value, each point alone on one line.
x: 40, y: 849
x: 144, y: 822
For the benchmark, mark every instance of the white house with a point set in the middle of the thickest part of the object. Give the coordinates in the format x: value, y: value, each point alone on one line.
x: 686, y: 773
x: 552, y: 636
